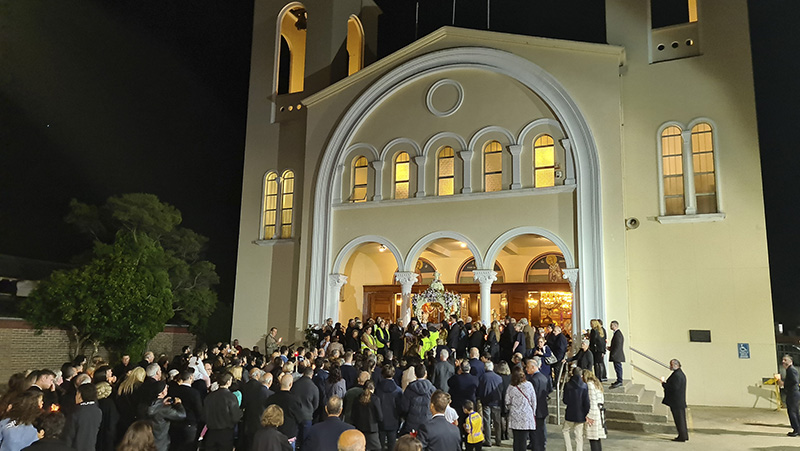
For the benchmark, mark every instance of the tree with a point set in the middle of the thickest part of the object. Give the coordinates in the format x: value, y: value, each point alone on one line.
x: 143, y: 215
x: 120, y: 299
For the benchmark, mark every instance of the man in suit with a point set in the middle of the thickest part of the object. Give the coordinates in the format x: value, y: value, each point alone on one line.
x: 438, y: 434
x: 542, y: 386
x: 675, y: 398
x: 290, y: 404
x: 490, y: 394
x: 616, y: 354
x: 324, y: 435
x: 183, y: 434
x: 476, y: 365
x: 349, y: 371
x: 254, y: 402
x: 463, y: 387
x: 443, y: 370
x: 453, y: 334
x: 222, y: 413
x: 559, y: 348
x: 308, y: 394
x: 790, y: 388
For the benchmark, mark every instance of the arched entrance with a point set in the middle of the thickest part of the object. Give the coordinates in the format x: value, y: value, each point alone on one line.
x: 588, y: 283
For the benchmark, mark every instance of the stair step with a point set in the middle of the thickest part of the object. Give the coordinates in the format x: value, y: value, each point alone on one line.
x: 637, y: 416
x: 638, y: 426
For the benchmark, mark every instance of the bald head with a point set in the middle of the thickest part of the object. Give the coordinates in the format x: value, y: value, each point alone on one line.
x: 363, y: 377
x: 286, y: 382
x: 352, y: 440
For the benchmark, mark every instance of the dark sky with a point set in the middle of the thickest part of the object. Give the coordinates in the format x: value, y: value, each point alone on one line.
x: 100, y: 98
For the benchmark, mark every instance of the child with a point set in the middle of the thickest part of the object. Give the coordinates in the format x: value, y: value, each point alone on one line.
x: 473, y: 426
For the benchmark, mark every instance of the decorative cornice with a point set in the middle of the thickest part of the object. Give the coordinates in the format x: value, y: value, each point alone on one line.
x: 483, y: 276
x: 406, y: 278
x: 337, y: 281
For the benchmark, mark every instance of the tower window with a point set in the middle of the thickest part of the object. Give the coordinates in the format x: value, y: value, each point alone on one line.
x: 672, y: 169
x: 355, y: 45
x: 705, y: 185
x: 270, y: 204
x: 287, y: 201
x: 278, y: 197
x: 291, y: 49
x: 446, y: 175
x: 688, y: 154
x: 665, y: 13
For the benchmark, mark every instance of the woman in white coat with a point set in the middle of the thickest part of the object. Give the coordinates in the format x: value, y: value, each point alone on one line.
x: 594, y: 430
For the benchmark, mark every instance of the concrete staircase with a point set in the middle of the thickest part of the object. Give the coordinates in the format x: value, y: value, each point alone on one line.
x: 629, y: 408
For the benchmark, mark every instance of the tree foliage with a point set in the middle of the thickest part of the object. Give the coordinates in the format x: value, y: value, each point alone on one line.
x: 121, y: 299
x: 192, y: 279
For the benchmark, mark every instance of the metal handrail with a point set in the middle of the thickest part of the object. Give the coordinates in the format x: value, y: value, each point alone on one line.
x: 646, y: 372
x: 559, y: 388
x: 650, y: 358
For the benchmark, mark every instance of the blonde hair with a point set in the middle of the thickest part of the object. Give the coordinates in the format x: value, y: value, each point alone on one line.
x: 590, y: 378
x: 132, y: 382
x: 597, y: 327
x: 272, y: 416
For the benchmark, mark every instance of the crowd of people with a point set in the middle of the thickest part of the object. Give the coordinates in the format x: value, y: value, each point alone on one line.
x: 371, y: 386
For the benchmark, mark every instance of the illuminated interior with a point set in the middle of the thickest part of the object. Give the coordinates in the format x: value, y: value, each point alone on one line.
x: 492, y: 166
x: 446, y: 176
x: 672, y: 166
x: 355, y: 45
x: 544, y: 161
x: 291, y: 70
x: 360, y: 177
x: 401, y: 173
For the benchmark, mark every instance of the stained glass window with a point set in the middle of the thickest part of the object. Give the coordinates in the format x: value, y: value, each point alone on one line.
x: 705, y: 186
x: 287, y: 201
x: 492, y: 166
x: 401, y: 173
x: 446, y: 160
x: 270, y: 204
x: 544, y: 162
x: 672, y: 168
x: 360, y: 176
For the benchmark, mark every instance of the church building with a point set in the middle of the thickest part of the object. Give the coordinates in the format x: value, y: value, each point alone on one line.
x: 552, y: 179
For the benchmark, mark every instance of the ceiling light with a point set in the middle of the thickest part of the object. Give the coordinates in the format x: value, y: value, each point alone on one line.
x: 382, y: 248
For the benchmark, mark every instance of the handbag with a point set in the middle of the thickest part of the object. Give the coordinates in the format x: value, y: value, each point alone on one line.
x: 550, y: 359
x: 602, y: 408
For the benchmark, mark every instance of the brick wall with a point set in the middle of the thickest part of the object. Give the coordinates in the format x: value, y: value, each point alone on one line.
x: 23, y: 349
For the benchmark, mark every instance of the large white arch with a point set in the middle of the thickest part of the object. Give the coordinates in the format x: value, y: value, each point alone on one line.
x: 349, y: 248
x: 589, y: 223
x: 498, y: 244
x: 422, y: 243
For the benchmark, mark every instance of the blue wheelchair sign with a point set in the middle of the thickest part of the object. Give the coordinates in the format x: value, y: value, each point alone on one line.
x: 744, y: 350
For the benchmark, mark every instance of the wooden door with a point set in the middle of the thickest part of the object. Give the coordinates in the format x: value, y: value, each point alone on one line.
x: 380, y: 304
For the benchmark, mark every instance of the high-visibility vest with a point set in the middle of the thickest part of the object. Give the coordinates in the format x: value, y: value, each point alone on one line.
x: 382, y: 334
x: 371, y: 339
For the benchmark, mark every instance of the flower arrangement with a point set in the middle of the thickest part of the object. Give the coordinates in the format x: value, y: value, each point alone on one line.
x: 435, y: 300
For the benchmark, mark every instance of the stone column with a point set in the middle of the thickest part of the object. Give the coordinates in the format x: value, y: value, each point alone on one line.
x: 337, y: 184
x: 378, y: 166
x: 516, y: 166
x: 689, y: 198
x: 569, y: 162
x: 485, y: 277
x: 571, y: 274
x: 406, y: 280
x: 420, y: 161
x: 466, y: 156
x: 331, y: 309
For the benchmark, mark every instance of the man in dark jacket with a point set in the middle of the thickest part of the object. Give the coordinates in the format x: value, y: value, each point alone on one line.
x: 308, y: 395
x: 254, y: 401
x: 390, y: 395
x: 183, y: 435
x: 290, y: 404
x: 416, y: 401
x: 463, y: 387
x: 475, y: 363
x: 616, y: 353
x: 222, y: 414
x: 490, y: 393
x: 559, y: 348
x: 84, y: 422
x: 453, y: 334
x: 162, y: 411
x: 438, y: 434
x: 349, y: 371
x: 576, y: 398
x: 443, y: 370
x: 324, y: 435
x: 675, y: 398
x: 542, y: 386
x: 790, y: 389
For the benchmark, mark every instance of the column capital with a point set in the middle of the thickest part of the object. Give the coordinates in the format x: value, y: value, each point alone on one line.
x: 515, y: 149
x: 571, y: 274
x: 419, y: 159
x: 484, y: 276
x: 466, y: 154
x: 336, y: 281
x: 406, y: 279
x: 377, y: 164
x: 566, y: 144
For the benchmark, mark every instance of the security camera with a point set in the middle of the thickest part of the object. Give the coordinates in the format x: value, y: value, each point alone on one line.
x: 631, y: 223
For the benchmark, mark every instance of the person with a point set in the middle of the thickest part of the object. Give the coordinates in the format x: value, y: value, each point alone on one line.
x: 476, y: 364
x: 616, y: 353
x: 127, y: 399
x: 390, y: 395
x: 124, y: 367
x: 83, y: 423
x: 222, y: 413
x: 110, y: 415
x: 675, y: 398
x: 407, y: 443
x: 490, y: 394
x: 16, y: 427
x: 49, y: 427
x: 594, y: 430
x: 335, y: 385
x: 268, y: 437
x: 542, y: 386
x: 543, y: 351
x: 349, y: 371
x: 183, y: 434
x: 504, y: 372
x: 415, y: 404
x: 273, y: 342
x: 367, y: 415
x: 519, y: 340
x: 438, y: 434
x: 576, y: 398
x: 584, y: 358
x: 559, y: 346
x: 463, y: 387
x: 597, y: 346
x: 789, y: 384
x: 44, y: 383
x: 162, y: 411
x: 290, y: 404
x: 443, y: 370
x: 494, y: 341
x: 351, y: 440
x: 308, y: 395
x: 473, y: 426
x: 324, y: 435
x: 138, y: 437
x: 350, y: 398
x: 520, y: 402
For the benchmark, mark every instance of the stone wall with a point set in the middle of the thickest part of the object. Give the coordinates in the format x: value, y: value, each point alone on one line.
x: 23, y: 349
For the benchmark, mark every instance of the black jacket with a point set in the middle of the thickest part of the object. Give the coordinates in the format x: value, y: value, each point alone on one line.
x: 161, y: 415
x: 367, y: 418
x: 390, y: 395
x: 291, y: 411
x: 270, y: 439
x: 675, y: 390
x: 617, y: 352
x: 308, y: 394
x: 190, y: 398
x: 542, y: 386
x: 576, y: 398
x: 416, y: 403
x: 48, y: 444
x: 350, y: 375
x: 584, y: 359
x: 83, y: 425
x: 222, y: 409
x: 462, y: 387
x: 442, y: 372
x: 439, y: 435
x: 108, y: 426
x: 324, y: 436
x: 490, y: 389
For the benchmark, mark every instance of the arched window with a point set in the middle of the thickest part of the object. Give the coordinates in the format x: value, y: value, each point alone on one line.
x: 401, y: 172
x: 492, y: 166
x: 355, y: 45
x: 270, y: 204
x: 446, y: 171
x: 466, y: 272
x: 544, y: 162
x: 705, y: 185
x: 360, y: 176
x: 672, y: 170
x: 546, y: 268
x: 287, y: 202
x: 291, y: 48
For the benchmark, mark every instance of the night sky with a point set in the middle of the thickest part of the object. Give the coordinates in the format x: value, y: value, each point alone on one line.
x: 101, y: 98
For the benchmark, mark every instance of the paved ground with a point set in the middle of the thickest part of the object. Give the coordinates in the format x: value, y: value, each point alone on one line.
x: 710, y: 429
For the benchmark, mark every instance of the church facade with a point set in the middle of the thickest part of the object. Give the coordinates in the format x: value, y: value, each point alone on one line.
x: 555, y: 180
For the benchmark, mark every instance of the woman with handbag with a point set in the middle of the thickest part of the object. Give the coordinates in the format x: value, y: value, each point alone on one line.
x: 521, y: 406
x: 544, y: 352
x: 595, y: 421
